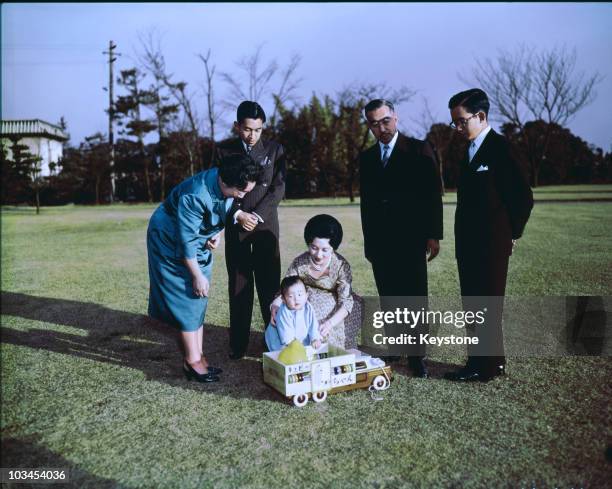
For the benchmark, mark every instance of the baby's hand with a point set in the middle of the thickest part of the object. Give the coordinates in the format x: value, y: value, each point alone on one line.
x: 316, y: 344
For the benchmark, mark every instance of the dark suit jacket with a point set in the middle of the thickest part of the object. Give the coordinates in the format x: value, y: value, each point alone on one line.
x: 401, y: 204
x: 268, y: 192
x: 493, y: 206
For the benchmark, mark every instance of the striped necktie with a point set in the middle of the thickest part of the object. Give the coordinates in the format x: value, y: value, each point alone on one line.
x: 385, y: 155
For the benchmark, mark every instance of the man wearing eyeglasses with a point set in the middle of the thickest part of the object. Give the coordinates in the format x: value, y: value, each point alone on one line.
x: 401, y: 216
x: 494, y: 202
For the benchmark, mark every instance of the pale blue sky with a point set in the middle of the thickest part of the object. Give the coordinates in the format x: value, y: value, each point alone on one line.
x: 52, y: 62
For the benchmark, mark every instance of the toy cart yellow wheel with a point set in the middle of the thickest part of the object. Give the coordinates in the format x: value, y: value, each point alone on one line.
x: 379, y: 383
x: 319, y: 396
x: 300, y: 400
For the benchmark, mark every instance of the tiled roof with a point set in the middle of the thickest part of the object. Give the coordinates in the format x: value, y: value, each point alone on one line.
x: 32, y: 127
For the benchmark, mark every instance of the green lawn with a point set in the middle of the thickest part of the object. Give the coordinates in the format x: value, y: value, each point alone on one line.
x: 587, y: 193
x: 88, y: 383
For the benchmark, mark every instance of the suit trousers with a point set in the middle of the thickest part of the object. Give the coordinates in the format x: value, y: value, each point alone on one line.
x: 255, y: 261
x: 401, y: 281
x: 483, y: 286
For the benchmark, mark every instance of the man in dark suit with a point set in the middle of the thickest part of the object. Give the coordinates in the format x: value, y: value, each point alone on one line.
x: 252, y: 253
x: 401, y: 215
x: 494, y: 202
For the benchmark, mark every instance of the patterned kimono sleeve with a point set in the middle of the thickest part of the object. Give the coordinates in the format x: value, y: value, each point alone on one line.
x: 293, y: 270
x: 343, y: 287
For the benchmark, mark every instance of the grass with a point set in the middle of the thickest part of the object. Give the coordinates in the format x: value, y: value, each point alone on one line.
x: 585, y: 193
x: 88, y: 383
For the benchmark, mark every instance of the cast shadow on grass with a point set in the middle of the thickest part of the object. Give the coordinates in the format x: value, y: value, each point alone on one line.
x: 26, y: 453
x: 134, y: 341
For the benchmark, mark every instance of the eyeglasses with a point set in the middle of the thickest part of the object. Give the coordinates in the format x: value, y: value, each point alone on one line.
x: 461, y: 122
x: 385, y: 121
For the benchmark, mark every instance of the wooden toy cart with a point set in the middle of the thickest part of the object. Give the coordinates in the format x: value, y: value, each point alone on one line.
x: 327, y: 370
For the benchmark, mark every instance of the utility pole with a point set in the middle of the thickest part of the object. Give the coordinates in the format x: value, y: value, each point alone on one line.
x: 111, y: 115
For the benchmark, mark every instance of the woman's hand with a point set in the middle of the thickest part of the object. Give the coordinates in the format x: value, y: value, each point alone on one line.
x: 213, y: 242
x: 200, y: 285
x: 325, y: 328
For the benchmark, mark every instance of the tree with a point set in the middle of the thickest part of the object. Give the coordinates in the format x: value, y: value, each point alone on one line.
x: 567, y: 160
x: 256, y: 81
x: 528, y: 84
x: 353, y: 131
x: 23, y: 173
x: 15, y: 177
x: 437, y: 133
x: 95, y: 163
x: 213, y: 113
x: 127, y: 108
x: 258, y: 78
x: 154, y: 62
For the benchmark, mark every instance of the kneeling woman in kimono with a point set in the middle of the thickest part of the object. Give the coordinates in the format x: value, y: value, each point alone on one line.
x: 182, y: 233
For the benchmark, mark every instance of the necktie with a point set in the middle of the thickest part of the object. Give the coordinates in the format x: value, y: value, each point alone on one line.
x: 472, y: 150
x: 249, y: 148
x: 385, y: 155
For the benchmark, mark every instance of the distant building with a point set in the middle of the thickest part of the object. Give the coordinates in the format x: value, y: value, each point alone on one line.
x: 43, y: 139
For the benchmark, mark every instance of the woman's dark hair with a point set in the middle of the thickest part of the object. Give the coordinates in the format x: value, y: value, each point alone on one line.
x: 323, y: 226
x: 289, y: 282
x: 473, y: 100
x: 238, y: 169
x: 250, y: 110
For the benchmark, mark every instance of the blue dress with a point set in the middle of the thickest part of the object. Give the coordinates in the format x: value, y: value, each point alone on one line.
x: 179, y: 228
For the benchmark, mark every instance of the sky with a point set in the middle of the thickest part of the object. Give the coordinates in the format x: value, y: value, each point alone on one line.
x: 53, y: 63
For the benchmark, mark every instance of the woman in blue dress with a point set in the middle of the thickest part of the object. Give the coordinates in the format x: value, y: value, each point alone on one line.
x: 182, y: 233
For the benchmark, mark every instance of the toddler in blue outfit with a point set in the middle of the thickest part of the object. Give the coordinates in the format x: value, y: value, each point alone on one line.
x: 295, y: 319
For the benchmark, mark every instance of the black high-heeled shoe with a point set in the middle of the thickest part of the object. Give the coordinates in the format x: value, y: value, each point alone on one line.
x: 191, y: 374
x: 214, y: 370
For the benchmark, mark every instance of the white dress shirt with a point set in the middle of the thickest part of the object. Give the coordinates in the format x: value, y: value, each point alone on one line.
x: 477, y: 142
x: 390, y: 144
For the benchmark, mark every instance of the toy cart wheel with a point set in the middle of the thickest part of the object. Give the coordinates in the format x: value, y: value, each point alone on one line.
x: 300, y: 400
x: 379, y: 383
x: 319, y: 396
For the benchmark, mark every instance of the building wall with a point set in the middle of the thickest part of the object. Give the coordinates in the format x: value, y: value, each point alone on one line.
x: 49, y: 150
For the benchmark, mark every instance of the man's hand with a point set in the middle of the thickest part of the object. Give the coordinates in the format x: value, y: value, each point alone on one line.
x: 514, y: 245
x: 200, y: 285
x: 433, y: 248
x: 316, y: 344
x: 213, y: 242
x: 247, y: 220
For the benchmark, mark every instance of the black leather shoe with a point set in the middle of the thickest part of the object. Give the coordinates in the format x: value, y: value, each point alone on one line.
x: 499, y: 371
x: 464, y: 375
x: 236, y: 356
x: 418, y: 367
x: 390, y: 358
x: 471, y: 375
x: 191, y: 374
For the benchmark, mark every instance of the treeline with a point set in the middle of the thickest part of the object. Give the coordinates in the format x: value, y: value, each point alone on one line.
x: 322, y: 140
x: 533, y: 93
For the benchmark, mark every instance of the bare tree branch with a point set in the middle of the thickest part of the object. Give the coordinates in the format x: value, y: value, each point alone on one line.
x: 528, y: 84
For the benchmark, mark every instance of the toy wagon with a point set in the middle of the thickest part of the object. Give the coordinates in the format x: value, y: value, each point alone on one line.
x: 327, y: 370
